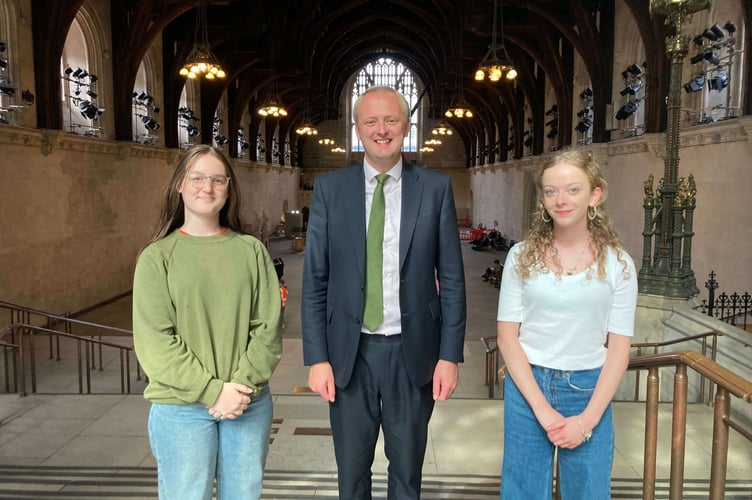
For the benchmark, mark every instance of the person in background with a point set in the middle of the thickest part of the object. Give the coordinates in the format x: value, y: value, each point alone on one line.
x: 382, y: 344
x: 206, y: 330
x: 565, y: 321
x: 492, y: 270
x: 279, y: 267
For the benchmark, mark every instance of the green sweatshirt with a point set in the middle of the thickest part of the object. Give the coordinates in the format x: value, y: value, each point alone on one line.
x: 206, y: 310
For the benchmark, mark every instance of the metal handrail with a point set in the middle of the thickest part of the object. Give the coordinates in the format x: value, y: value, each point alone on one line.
x: 493, y: 370
x: 84, y: 361
x: 23, y: 311
x: 703, y: 337
x: 727, y: 382
x: 10, y: 366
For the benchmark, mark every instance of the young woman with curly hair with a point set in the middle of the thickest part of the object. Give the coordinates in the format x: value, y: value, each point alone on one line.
x: 565, y: 320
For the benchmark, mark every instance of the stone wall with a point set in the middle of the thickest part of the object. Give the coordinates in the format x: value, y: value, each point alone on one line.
x: 74, y: 212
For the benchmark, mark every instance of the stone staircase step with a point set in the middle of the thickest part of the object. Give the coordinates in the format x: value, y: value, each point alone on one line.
x: 19, y: 482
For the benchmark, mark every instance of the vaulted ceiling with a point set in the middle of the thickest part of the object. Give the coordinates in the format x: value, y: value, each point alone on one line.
x: 307, y: 49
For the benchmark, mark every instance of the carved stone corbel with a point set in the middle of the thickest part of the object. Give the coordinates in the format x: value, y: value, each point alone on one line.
x: 51, y: 140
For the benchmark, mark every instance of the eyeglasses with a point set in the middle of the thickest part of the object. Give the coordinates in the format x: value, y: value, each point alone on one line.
x: 217, y: 181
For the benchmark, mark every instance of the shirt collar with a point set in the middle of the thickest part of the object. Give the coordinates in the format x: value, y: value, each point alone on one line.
x: 395, y: 172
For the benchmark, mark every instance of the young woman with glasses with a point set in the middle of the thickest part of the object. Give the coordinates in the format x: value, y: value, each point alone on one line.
x: 566, y: 317
x: 206, y: 329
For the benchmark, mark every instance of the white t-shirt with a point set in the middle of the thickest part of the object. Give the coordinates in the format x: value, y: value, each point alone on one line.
x: 565, y: 319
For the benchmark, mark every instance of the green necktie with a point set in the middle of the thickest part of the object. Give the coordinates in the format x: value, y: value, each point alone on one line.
x: 373, y: 313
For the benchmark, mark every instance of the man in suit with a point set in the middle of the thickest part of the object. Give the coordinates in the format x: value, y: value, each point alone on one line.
x: 390, y: 373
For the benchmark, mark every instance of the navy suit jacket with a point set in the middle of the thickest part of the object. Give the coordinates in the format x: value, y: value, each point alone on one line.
x: 433, y: 323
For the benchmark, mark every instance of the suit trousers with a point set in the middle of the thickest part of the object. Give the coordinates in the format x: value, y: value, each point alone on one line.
x: 380, y: 394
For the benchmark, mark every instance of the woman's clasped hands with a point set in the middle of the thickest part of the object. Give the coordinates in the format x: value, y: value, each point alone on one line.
x: 232, y: 401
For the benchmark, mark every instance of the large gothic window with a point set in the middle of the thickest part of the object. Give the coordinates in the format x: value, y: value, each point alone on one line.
x: 386, y: 71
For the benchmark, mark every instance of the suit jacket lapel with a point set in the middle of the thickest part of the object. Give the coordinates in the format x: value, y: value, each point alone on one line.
x: 354, y: 193
x: 412, y: 191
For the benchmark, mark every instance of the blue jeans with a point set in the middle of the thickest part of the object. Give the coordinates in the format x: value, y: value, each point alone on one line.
x: 193, y: 448
x: 527, y: 469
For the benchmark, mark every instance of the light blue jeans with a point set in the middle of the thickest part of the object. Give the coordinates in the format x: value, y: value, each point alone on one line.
x: 527, y: 469
x: 193, y: 448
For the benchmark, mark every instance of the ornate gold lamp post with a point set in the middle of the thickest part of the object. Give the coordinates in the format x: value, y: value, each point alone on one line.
x: 666, y: 262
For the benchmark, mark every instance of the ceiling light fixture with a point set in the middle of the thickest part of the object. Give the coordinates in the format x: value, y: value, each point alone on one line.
x: 496, y: 63
x: 307, y: 127
x: 273, y: 106
x: 441, y: 129
x: 458, y: 107
x: 201, y: 60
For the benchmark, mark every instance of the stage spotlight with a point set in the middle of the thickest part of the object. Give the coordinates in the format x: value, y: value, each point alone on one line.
x: 718, y: 82
x: 552, y: 122
x: 584, y: 125
x: 695, y: 84
x: 27, y: 96
x: 717, y: 31
x: 712, y: 58
x: 627, y: 110
x: 583, y: 112
x: 3, y: 64
x: 554, y: 109
x: 631, y: 89
x: 552, y: 133
x: 149, y: 122
x: 586, y: 94
x: 89, y: 110
x: 729, y: 27
x: 7, y: 88
x: 699, y: 57
x: 634, y: 69
x: 192, y: 131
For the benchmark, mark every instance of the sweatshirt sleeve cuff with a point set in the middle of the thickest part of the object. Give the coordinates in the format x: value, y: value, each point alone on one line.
x: 211, y: 392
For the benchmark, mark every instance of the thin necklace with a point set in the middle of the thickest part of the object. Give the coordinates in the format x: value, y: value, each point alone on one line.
x: 570, y: 270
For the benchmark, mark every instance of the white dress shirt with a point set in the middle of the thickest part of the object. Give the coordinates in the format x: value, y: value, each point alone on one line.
x: 391, y: 277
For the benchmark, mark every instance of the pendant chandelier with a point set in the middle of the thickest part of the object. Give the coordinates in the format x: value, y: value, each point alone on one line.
x: 496, y: 63
x: 201, y: 60
x: 458, y: 107
x: 307, y: 127
x: 441, y: 129
x: 273, y: 105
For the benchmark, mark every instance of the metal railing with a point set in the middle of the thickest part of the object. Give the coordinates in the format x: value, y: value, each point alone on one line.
x: 20, y: 357
x: 494, y: 370
x: 712, y: 349
x: 734, y: 309
x: 24, y: 353
x: 727, y: 383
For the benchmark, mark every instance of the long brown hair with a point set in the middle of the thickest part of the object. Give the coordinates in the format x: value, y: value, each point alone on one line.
x: 172, y: 214
x: 540, y: 240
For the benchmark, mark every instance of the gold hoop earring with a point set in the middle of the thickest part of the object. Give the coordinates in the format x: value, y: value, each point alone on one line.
x: 592, y: 215
x: 543, y: 215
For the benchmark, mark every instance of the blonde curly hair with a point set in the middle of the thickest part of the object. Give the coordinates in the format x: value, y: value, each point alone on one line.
x: 540, y: 240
